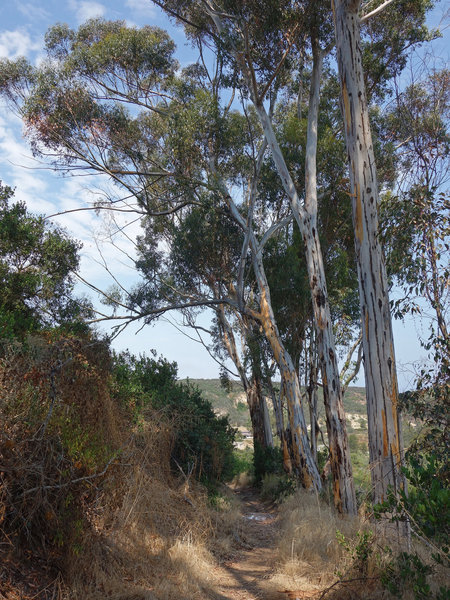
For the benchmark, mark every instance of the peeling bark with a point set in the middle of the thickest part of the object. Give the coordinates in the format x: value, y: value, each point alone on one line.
x: 385, y: 449
x: 303, y: 462
x: 281, y: 432
x: 306, y: 217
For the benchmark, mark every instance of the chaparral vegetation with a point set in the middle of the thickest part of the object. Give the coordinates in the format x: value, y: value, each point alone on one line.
x: 286, y: 184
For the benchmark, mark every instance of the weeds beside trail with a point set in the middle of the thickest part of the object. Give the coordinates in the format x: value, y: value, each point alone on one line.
x: 100, y: 496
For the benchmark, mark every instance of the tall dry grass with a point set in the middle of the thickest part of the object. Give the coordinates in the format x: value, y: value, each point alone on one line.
x: 308, y: 551
x: 136, y: 531
x: 311, y: 557
x: 161, y: 537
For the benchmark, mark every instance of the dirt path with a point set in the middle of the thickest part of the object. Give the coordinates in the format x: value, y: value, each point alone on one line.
x: 246, y: 577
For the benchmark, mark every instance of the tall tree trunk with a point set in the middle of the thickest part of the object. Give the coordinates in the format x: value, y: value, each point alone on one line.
x: 303, y: 461
x: 385, y: 449
x: 267, y: 426
x: 281, y: 431
x: 306, y: 217
x: 259, y: 415
x: 261, y: 429
x: 344, y: 494
x: 311, y: 389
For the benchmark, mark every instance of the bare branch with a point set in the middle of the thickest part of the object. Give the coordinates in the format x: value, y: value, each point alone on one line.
x: 375, y: 11
x: 273, y: 230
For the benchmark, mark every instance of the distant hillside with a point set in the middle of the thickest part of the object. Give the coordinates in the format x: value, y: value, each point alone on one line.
x: 234, y: 405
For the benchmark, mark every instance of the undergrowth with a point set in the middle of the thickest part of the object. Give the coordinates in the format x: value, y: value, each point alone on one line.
x: 89, y: 482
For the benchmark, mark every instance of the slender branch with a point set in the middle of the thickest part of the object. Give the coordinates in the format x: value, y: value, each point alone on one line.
x: 343, y: 581
x: 273, y: 230
x: 278, y: 68
x: 61, y: 485
x: 178, y: 16
x: 73, y: 210
x: 375, y: 11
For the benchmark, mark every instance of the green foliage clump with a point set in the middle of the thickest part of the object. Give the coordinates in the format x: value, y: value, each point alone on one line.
x: 37, y: 262
x: 409, y: 571
x: 203, y: 442
x: 426, y: 509
x: 266, y: 460
x: 427, y: 503
x: 243, y: 461
x: 360, y: 550
x: 276, y: 487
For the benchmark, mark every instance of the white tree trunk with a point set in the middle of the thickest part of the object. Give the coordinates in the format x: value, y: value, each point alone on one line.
x: 385, y: 449
x: 303, y: 460
x: 306, y: 217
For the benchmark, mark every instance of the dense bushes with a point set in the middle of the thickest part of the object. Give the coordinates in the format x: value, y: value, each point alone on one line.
x: 266, y: 460
x: 203, y: 442
x: 68, y: 411
x: 59, y: 431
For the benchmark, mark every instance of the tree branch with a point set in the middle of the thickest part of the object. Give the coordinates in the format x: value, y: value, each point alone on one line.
x: 375, y: 11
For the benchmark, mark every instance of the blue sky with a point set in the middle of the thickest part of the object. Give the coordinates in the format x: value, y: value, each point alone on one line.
x: 23, y: 25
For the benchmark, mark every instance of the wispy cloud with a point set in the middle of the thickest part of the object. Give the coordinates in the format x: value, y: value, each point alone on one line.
x: 32, y: 11
x: 141, y: 7
x: 18, y: 43
x: 85, y: 10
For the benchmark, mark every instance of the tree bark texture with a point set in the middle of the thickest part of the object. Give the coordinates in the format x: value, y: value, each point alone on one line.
x: 385, y: 450
x: 281, y: 431
x: 306, y: 217
x: 303, y: 462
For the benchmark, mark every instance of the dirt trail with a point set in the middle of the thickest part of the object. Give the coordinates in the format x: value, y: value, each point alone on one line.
x: 246, y: 576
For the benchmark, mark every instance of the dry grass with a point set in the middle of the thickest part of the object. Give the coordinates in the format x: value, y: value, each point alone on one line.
x: 139, y: 532
x: 310, y: 557
x: 159, y: 539
x: 309, y: 553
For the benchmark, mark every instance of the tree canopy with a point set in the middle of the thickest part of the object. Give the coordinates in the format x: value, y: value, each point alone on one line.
x: 37, y: 265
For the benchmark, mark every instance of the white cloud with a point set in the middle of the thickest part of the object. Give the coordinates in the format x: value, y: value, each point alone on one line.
x: 18, y: 43
x: 142, y: 7
x: 85, y: 10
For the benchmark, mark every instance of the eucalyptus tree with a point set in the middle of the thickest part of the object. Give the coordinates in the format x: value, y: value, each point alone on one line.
x: 405, y: 27
x: 75, y: 109
x: 222, y: 173
x: 415, y: 229
x: 108, y: 100
x: 204, y: 257
x: 256, y: 38
x: 415, y: 221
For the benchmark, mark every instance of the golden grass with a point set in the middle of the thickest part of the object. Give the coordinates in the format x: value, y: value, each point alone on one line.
x: 308, y: 550
x: 139, y: 533
x: 310, y: 557
x: 157, y: 541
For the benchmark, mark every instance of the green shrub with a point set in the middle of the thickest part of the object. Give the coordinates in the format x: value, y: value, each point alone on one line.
x: 276, y: 487
x: 203, y: 443
x: 407, y: 571
x: 243, y: 461
x: 266, y: 460
x: 426, y: 505
x: 426, y: 508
